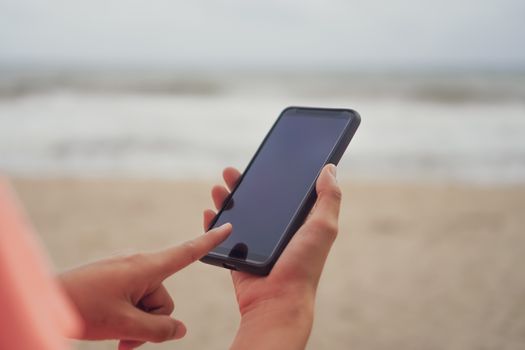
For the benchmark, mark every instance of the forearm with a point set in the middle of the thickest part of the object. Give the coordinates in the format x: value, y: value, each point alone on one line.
x: 273, y: 326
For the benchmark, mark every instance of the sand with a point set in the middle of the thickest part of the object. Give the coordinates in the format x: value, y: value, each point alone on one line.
x: 414, y: 267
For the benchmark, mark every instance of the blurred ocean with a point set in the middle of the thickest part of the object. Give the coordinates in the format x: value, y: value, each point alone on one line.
x: 453, y: 127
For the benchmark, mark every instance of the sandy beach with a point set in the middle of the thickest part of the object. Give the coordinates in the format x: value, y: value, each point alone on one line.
x: 414, y: 266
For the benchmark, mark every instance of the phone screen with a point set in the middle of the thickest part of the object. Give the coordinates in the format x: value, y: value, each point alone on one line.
x: 277, y: 182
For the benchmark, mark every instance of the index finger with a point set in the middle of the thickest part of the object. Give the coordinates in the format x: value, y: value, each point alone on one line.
x: 173, y: 259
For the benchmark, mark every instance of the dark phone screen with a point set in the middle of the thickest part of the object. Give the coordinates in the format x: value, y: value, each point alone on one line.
x: 278, y: 180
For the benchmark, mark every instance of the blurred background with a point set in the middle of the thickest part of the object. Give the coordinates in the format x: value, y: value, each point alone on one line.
x: 117, y: 116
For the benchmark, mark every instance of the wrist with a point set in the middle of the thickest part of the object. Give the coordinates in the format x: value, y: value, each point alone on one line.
x: 282, y: 323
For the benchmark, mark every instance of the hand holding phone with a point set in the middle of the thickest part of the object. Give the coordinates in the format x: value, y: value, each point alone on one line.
x: 277, y: 310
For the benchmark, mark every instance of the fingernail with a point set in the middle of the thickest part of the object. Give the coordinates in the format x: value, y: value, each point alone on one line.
x: 223, y: 227
x: 174, y: 334
x: 333, y: 170
x: 180, y: 331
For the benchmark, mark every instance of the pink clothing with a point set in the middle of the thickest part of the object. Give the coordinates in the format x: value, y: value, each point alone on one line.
x: 34, y: 311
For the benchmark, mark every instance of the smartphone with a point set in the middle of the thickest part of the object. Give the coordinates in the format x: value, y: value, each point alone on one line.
x: 277, y: 190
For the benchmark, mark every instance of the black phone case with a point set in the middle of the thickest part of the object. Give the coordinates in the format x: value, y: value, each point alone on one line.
x: 297, y: 221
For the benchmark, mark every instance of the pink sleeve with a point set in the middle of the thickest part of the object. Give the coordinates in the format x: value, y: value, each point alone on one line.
x: 34, y: 311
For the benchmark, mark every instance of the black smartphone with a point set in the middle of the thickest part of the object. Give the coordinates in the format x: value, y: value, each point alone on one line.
x: 277, y: 190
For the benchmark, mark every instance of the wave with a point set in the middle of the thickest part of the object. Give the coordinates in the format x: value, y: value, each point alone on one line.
x: 438, y: 87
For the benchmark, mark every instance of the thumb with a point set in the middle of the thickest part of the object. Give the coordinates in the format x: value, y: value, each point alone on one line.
x: 329, y: 196
x: 144, y: 326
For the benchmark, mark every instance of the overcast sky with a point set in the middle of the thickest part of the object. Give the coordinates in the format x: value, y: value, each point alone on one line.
x: 261, y: 33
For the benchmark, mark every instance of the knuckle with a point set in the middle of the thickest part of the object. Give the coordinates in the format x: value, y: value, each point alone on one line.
x: 191, y: 250
x: 162, y: 333
x: 331, y: 229
x: 333, y: 193
x: 159, y: 335
x: 135, y: 259
x: 170, y: 305
x: 326, y: 226
x: 170, y: 308
x: 126, y: 320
